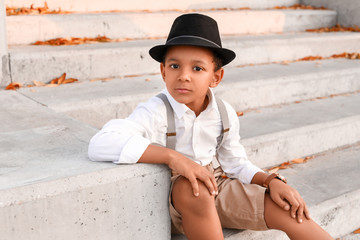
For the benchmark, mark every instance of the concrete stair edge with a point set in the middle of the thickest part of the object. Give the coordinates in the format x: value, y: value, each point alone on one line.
x: 259, y: 86
x: 25, y: 29
x: 138, y: 5
x: 96, y: 60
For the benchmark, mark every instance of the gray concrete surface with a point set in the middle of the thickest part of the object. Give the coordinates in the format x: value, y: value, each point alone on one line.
x: 277, y: 135
x: 4, y: 72
x: 109, y: 5
x: 244, y: 88
x: 50, y: 190
x: 348, y: 10
x: 98, y: 60
x: 25, y: 29
x: 330, y: 185
x: 269, y: 140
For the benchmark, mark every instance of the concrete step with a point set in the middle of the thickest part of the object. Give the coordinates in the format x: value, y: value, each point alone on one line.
x: 244, y: 88
x: 90, y: 61
x: 138, y: 5
x: 50, y: 190
x: 304, y: 128
x: 323, y: 182
x: 27, y: 29
x: 72, y: 193
x: 277, y: 134
x: 351, y: 236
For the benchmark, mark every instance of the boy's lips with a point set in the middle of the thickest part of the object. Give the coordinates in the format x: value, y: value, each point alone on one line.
x: 182, y: 90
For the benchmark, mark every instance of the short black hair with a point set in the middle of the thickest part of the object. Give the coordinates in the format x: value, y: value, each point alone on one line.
x: 218, y: 62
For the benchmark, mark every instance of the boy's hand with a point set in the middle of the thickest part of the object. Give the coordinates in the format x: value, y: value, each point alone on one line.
x: 182, y: 165
x: 193, y: 171
x: 288, y: 199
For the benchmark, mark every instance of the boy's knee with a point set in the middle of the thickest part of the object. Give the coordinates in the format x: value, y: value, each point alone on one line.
x: 184, y: 200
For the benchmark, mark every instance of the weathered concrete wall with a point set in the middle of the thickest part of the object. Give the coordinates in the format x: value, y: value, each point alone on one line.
x: 3, y: 47
x: 348, y: 10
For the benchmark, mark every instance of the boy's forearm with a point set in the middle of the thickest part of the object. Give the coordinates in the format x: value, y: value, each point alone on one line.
x: 157, y: 154
x: 259, y: 178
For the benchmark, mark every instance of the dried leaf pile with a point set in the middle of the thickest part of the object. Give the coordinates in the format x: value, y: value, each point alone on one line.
x: 286, y: 165
x: 337, y: 28
x: 13, y: 86
x: 32, y: 10
x: 346, y: 55
x: 300, y: 6
x: 53, y: 83
x: 73, y: 41
x: 78, y: 41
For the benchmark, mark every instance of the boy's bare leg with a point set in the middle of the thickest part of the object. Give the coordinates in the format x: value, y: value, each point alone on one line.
x: 277, y: 218
x: 199, y: 216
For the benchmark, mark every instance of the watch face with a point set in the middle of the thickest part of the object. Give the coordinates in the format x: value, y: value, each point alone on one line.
x: 282, y: 178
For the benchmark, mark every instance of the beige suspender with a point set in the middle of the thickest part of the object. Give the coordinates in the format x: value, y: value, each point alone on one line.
x: 171, y: 130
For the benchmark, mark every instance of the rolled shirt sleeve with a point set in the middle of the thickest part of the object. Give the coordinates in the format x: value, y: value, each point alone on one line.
x: 124, y: 141
x: 232, y: 156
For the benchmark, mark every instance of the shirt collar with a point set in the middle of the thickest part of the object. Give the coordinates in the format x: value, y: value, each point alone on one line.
x: 180, y: 109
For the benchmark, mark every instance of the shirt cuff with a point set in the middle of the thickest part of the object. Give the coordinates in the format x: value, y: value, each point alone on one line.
x: 133, y: 150
x: 251, y: 173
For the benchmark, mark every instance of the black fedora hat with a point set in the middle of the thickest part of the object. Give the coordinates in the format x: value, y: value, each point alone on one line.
x: 194, y: 30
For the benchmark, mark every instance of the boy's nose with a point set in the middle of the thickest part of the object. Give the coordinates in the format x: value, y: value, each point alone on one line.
x: 184, y: 75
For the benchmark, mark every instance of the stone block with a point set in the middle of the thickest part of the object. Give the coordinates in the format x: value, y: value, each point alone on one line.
x: 348, y: 10
x: 4, y: 64
x: 50, y: 190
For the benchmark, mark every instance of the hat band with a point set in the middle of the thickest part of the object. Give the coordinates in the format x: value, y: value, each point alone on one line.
x: 191, y: 36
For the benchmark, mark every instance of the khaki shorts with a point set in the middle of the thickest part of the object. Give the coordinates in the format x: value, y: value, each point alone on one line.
x: 247, y: 212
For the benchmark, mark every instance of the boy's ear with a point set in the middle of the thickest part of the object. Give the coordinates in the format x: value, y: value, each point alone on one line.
x: 162, y: 70
x: 218, y: 76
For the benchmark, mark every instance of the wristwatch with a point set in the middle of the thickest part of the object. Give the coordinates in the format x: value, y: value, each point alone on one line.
x: 271, y: 177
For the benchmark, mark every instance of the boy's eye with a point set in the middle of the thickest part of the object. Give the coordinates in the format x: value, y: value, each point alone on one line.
x: 197, y: 69
x: 174, y: 66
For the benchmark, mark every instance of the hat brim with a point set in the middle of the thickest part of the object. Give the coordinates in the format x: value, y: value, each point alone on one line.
x: 226, y: 55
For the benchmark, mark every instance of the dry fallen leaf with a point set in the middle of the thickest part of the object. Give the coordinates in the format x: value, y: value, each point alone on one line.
x: 13, y: 86
x: 311, y: 58
x: 74, y: 41
x: 32, y: 10
x: 38, y: 84
x: 298, y: 160
x: 357, y: 231
x: 62, y: 80
x: 286, y: 165
x: 300, y: 6
x: 58, y: 80
x: 337, y: 28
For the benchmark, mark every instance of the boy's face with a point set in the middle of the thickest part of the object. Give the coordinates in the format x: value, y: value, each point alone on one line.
x: 188, y: 72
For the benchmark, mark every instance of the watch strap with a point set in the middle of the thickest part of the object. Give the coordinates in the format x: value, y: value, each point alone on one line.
x: 271, y: 177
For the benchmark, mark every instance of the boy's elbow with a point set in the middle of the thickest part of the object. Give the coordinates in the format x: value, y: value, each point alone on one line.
x: 92, y: 154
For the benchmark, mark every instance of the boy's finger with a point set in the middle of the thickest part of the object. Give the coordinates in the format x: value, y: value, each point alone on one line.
x: 195, y: 186
x: 280, y: 202
x: 212, y: 178
x: 210, y: 186
x: 307, y: 213
x: 300, y: 213
x: 294, y: 207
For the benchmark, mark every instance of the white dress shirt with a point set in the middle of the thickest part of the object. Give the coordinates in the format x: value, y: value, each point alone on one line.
x: 123, y: 141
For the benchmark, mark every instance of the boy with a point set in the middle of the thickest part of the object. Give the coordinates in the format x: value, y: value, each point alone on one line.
x: 202, y: 200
